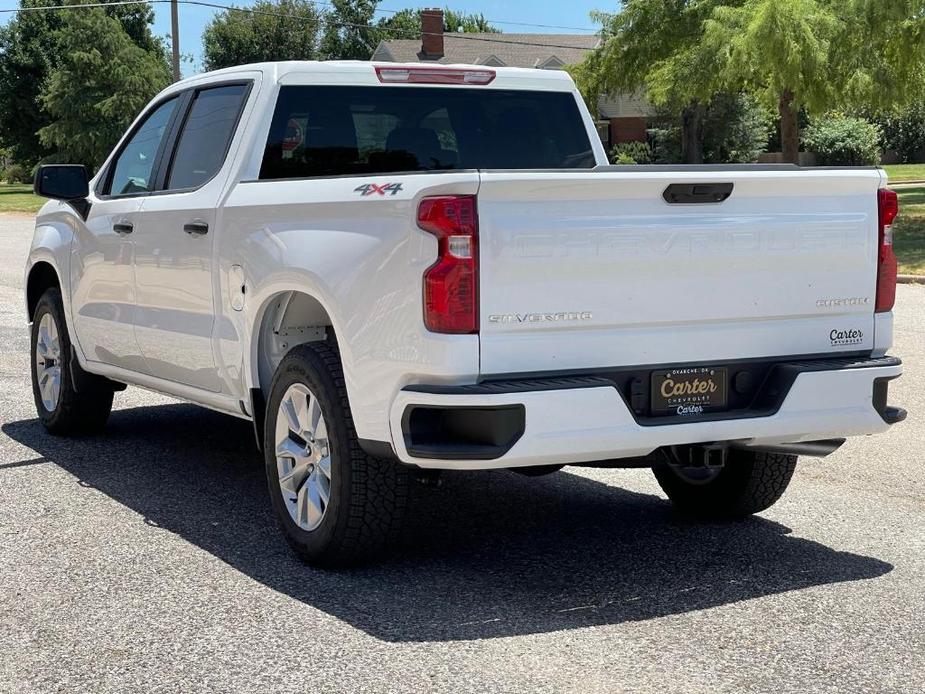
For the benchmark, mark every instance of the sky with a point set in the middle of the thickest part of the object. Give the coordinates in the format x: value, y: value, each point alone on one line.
x: 564, y: 13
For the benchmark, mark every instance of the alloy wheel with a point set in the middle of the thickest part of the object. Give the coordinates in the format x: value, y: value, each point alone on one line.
x: 48, y: 362
x: 303, y: 457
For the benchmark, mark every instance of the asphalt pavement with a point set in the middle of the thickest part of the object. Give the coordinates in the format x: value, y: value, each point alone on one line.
x: 147, y: 560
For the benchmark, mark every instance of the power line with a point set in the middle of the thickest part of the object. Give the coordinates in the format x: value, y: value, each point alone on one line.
x: 352, y: 25
x: 497, y: 21
x: 229, y: 8
x: 43, y: 8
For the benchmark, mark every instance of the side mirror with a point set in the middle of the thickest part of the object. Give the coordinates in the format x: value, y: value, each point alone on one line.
x: 62, y: 182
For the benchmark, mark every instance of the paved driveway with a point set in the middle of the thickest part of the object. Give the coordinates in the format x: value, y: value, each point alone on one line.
x: 147, y: 559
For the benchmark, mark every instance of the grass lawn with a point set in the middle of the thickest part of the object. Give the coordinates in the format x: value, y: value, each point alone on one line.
x: 905, y: 172
x: 909, y: 231
x: 17, y: 197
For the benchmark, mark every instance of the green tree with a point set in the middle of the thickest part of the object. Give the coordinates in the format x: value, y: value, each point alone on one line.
x: 782, y: 50
x: 467, y: 23
x: 793, y: 54
x: 349, y: 32
x: 29, y: 54
x: 651, y: 46
x: 816, y: 56
x: 735, y: 130
x: 275, y: 30
x: 352, y: 33
x: 406, y: 24
x: 102, y: 81
x: 27, y: 57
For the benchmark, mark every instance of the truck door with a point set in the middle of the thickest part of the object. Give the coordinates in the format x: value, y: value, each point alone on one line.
x: 174, y: 268
x: 102, y: 279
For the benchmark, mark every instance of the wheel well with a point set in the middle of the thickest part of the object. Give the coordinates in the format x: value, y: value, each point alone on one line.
x: 42, y: 277
x: 290, y: 319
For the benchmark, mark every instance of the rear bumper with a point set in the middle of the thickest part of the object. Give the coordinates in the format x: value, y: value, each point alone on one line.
x: 584, y: 419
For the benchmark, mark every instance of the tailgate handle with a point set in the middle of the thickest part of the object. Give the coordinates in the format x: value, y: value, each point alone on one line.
x: 696, y: 193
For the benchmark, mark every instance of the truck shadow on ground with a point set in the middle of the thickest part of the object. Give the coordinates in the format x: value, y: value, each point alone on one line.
x: 487, y: 554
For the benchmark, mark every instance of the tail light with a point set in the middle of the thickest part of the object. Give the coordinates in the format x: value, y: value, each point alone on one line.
x: 888, y: 208
x: 451, y: 285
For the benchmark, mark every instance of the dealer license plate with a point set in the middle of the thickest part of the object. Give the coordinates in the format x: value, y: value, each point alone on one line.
x: 688, y: 391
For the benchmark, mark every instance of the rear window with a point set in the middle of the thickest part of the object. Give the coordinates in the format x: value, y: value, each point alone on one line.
x: 331, y: 131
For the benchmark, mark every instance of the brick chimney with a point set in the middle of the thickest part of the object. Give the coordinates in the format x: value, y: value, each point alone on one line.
x: 432, y: 33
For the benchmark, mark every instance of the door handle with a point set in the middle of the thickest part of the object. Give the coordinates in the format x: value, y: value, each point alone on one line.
x: 196, y: 228
x: 123, y: 227
x: 694, y: 193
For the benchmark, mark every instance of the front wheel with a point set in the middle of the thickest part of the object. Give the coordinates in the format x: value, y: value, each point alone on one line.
x: 64, y: 407
x: 336, y: 504
x: 748, y: 483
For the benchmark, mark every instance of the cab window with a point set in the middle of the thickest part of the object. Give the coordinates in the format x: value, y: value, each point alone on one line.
x: 206, y: 135
x: 133, y: 169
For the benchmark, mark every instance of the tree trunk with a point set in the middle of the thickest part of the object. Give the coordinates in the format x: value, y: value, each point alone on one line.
x: 692, y: 133
x: 789, y: 128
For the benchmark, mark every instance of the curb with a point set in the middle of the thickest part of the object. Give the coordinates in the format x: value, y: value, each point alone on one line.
x: 910, y: 184
x: 910, y: 279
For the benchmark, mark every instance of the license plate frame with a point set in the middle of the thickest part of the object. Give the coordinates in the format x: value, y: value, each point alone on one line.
x: 691, y: 391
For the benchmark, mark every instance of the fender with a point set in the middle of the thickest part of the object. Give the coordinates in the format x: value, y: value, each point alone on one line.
x: 362, y: 260
x: 51, y: 243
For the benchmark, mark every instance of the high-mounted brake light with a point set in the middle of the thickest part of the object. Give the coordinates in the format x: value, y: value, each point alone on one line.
x: 888, y: 208
x: 451, y: 285
x: 433, y: 75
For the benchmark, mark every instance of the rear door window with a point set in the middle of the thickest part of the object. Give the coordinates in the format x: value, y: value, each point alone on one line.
x: 205, y: 136
x: 332, y: 131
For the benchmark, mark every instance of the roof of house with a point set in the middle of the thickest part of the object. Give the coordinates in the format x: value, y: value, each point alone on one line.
x: 511, y: 50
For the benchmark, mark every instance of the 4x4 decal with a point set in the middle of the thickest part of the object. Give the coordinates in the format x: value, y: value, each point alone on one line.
x: 374, y: 188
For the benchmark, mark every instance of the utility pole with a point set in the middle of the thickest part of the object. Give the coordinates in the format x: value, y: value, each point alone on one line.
x: 175, y: 39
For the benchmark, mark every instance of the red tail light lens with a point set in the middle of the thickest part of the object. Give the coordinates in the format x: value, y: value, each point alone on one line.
x: 451, y: 285
x: 888, y: 207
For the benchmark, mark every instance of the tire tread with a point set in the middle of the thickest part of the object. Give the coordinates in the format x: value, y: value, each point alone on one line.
x: 750, y: 482
x: 83, y: 409
x: 372, y: 517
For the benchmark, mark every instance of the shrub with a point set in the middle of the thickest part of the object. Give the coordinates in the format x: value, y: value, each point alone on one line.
x: 16, y: 173
x: 636, y: 152
x: 904, y: 132
x: 839, y: 140
x: 736, y: 129
x: 667, y: 145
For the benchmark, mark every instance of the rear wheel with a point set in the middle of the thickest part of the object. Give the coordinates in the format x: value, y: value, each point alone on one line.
x: 336, y: 504
x: 68, y: 400
x: 748, y: 483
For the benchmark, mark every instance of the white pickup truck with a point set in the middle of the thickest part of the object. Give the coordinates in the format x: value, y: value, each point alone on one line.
x: 393, y: 270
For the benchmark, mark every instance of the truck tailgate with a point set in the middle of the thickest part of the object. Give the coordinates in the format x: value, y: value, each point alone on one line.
x: 595, y: 269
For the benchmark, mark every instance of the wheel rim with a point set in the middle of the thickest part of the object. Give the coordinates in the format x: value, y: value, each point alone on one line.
x: 48, y: 362
x: 303, y: 457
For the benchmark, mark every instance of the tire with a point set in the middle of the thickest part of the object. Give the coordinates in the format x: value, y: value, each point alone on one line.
x: 748, y: 483
x: 71, y: 408
x: 366, y: 497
